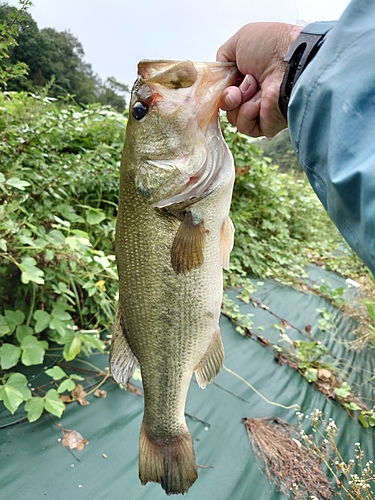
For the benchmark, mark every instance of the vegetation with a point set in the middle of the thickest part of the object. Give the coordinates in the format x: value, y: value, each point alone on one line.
x: 54, y: 60
x: 58, y: 190
x: 280, y: 151
x: 353, y: 477
x: 58, y: 200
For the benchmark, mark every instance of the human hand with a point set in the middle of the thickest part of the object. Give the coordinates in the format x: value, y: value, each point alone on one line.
x: 258, y: 49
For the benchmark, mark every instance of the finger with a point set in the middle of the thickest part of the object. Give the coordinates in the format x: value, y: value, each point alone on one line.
x: 232, y: 116
x: 231, y: 98
x: 247, y: 120
x: 248, y: 88
x: 227, y: 52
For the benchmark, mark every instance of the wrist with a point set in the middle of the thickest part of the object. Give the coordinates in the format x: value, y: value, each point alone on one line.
x: 301, y: 52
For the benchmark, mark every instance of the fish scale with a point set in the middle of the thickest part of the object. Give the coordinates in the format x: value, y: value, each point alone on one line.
x: 172, y: 237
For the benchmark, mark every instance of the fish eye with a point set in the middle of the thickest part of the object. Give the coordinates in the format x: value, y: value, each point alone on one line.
x: 139, y: 110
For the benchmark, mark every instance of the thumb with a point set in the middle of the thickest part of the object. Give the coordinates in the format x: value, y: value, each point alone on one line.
x: 227, y: 52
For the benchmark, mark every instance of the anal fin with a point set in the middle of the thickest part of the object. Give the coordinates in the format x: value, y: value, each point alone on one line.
x: 188, y: 244
x: 226, y: 242
x: 212, y: 362
x: 122, y: 361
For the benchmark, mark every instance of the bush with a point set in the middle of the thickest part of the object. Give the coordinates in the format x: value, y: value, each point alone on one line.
x: 58, y: 190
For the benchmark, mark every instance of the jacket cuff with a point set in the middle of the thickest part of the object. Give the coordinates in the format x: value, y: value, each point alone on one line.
x: 299, y: 56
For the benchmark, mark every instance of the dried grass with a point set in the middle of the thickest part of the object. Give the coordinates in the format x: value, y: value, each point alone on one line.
x: 284, y: 459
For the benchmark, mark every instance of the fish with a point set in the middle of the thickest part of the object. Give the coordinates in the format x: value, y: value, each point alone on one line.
x: 173, y: 237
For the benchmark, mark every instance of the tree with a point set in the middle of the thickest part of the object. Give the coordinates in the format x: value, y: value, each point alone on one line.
x: 10, y: 20
x: 113, y: 94
x: 57, y: 59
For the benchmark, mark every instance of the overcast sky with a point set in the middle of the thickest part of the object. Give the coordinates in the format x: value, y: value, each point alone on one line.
x: 116, y: 34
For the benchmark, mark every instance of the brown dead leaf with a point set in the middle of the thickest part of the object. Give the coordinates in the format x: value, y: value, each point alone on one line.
x: 325, y: 387
x: 65, y: 398
x: 79, y: 394
x: 100, y: 393
x: 73, y: 439
x: 323, y: 373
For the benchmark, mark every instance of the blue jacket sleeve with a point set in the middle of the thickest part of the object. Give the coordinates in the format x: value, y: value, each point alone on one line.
x: 331, y: 118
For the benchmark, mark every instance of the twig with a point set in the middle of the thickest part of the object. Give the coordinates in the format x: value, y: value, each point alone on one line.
x: 259, y: 394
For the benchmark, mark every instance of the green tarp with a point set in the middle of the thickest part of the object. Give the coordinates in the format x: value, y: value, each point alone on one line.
x: 35, y: 466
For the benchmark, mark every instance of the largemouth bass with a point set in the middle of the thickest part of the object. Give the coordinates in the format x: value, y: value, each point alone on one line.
x: 173, y: 236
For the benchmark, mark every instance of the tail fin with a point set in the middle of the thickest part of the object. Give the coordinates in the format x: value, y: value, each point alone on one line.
x: 171, y: 464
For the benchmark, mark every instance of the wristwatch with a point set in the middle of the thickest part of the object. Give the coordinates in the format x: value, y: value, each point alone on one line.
x: 298, y: 57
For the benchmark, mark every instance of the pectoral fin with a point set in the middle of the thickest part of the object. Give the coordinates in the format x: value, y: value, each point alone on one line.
x: 212, y: 362
x: 122, y: 361
x: 226, y: 242
x: 188, y: 244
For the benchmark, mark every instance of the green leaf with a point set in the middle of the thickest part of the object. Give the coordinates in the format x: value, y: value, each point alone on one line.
x: 72, y: 346
x: 59, y: 312
x: 75, y: 242
x: 91, y: 340
x: 14, y: 318
x: 76, y: 377
x: 30, y: 272
x: 352, y: 406
x: 137, y: 374
x: 103, y: 261
x: 43, y: 319
x: 34, y: 408
x: 311, y: 374
x: 17, y: 183
x: 343, y: 391
x: 57, y: 236
x: 11, y: 397
x: 363, y: 421
x: 56, y: 373
x: 61, y: 221
x: 3, y: 245
x: 9, y: 356
x: 4, y: 328
x: 58, y: 325
x: 22, y: 331
x: 32, y: 351
x: 53, y: 403
x: 19, y: 381
x: 63, y: 288
x: 66, y: 385
x: 95, y: 217
x: 79, y: 232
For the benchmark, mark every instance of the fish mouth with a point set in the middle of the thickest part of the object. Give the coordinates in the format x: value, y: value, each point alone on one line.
x: 198, y: 85
x: 151, y: 69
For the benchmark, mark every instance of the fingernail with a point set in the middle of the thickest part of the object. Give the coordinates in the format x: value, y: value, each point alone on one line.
x: 246, y: 84
x: 229, y: 100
